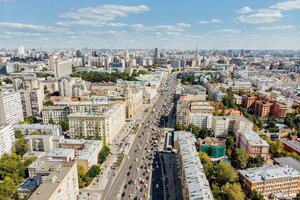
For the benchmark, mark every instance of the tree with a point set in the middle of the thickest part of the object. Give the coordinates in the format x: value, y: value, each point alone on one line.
x: 18, y: 134
x: 258, y: 161
x: 94, y: 171
x: 239, y: 158
x: 46, y: 89
x: 194, y: 129
x: 51, y: 121
x: 11, y: 166
x: 232, y: 191
x: 255, y: 195
x: 64, y: 125
x: 21, y: 147
x: 48, y: 103
x: 226, y: 174
x: 203, y: 133
x: 230, y: 142
x: 7, y: 80
x: 179, y: 127
x: 28, y: 161
x: 7, y: 188
x: 276, y: 148
x: 105, y: 151
x: 228, y: 101
x: 0, y: 83
x: 204, y: 158
x: 29, y: 120
x: 80, y: 171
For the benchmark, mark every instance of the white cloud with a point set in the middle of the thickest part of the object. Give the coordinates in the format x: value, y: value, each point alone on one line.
x: 7, y: 1
x: 285, y: 27
x: 90, y: 23
x: 287, y: 5
x: 27, y: 27
x: 260, y: 16
x: 213, y: 21
x: 228, y: 31
x: 179, y: 27
x: 245, y: 10
x: 104, y: 13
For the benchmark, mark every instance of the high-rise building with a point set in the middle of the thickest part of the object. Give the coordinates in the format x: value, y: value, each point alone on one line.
x: 20, y: 51
x: 62, y: 68
x: 7, y: 138
x: 156, y: 53
x: 220, y: 125
x: 32, y: 101
x: 10, y: 108
x: 262, y: 108
x: 279, y: 110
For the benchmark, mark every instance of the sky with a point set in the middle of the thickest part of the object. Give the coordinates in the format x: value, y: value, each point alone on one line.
x: 144, y: 24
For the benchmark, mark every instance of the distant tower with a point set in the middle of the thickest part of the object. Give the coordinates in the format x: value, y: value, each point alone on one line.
x: 197, y: 53
x: 128, y: 99
x: 126, y: 57
x: 156, y: 53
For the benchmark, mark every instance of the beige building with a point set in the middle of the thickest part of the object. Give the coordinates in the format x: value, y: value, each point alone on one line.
x: 253, y: 144
x: 274, y: 182
x: 32, y: 101
x: 60, y: 181
x: 133, y: 101
x: 57, y: 113
x: 105, y: 125
x: 239, y: 123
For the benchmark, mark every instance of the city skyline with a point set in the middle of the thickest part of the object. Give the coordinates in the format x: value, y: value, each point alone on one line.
x: 144, y: 24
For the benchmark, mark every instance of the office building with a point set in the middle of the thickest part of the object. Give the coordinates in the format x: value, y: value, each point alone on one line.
x: 253, y: 144
x: 10, y: 108
x: 274, y: 182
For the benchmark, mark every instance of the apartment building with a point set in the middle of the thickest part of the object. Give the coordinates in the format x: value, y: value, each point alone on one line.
x: 133, y: 101
x: 248, y: 101
x: 32, y: 101
x: 238, y: 124
x: 194, y: 182
x: 56, y: 113
x: 49, y: 129
x: 7, y: 138
x: 220, y: 125
x: 105, y: 125
x: 262, y: 108
x: 10, y: 108
x: 60, y: 181
x: 274, y: 182
x: 253, y: 144
x: 92, y: 105
x: 279, y: 110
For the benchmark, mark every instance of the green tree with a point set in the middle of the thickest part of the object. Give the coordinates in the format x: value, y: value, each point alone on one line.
x: 232, y: 191
x: 179, y: 127
x: 226, y: 174
x: 7, y: 188
x: 0, y: 83
x: 46, y: 89
x: 21, y: 147
x: 7, y: 80
x: 64, y: 125
x: 255, y: 195
x: 11, y: 166
x: 239, y: 158
x: 48, y: 103
x: 28, y: 161
x: 94, y: 171
x: 203, y: 133
x: 18, y: 134
x: 29, y: 120
x: 204, y: 158
x: 105, y: 151
x: 230, y: 142
x: 255, y: 162
x: 80, y: 171
x: 228, y: 101
x: 51, y: 121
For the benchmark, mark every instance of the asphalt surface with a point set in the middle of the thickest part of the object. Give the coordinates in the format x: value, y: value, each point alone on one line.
x: 133, y: 181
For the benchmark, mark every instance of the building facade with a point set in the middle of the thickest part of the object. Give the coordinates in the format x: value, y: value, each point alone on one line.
x: 10, y: 108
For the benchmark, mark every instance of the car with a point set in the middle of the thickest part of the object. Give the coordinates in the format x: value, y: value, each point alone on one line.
x: 130, y: 196
x: 137, y: 169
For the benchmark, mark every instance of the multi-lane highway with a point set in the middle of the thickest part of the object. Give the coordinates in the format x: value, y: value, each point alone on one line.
x: 134, y: 178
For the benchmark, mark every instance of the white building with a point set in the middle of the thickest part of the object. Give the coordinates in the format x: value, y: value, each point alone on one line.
x: 61, y: 68
x: 57, y: 113
x: 203, y: 120
x: 7, y: 138
x: 10, y: 108
x: 220, y: 125
x: 26, y: 129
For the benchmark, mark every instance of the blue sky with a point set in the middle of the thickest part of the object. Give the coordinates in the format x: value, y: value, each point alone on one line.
x: 182, y: 24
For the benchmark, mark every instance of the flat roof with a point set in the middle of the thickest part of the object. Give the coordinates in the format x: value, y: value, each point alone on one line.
x: 295, y: 144
x: 288, y: 161
x: 254, y: 139
x: 59, y: 152
x: 267, y: 173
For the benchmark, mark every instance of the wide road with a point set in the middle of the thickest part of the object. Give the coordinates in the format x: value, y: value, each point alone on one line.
x: 133, y: 179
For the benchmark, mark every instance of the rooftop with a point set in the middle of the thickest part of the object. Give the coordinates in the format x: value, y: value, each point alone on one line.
x: 59, y: 152
x: 295, y: 144
x: 254, y: 139
x: 267, y: 173
x: 288, y: 161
